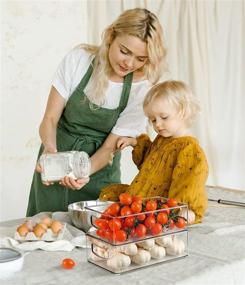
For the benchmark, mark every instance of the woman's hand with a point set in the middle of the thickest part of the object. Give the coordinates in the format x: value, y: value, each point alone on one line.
x: 74, y: 184
x: 39, y: 168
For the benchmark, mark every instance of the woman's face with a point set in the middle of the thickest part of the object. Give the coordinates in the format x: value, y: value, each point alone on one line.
x: 167, y: 121
x: 127, y: 54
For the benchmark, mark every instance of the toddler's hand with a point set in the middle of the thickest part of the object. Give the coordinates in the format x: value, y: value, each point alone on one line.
x: 126, y: 141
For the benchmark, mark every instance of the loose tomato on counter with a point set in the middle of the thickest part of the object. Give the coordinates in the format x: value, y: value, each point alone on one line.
x: 68, y: 263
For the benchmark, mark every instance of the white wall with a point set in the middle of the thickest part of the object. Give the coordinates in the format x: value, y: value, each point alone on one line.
x: 35, y: 36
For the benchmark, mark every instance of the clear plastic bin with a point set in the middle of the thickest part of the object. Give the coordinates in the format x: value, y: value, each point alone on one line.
x: 118, y: 238
x: 135, y: 255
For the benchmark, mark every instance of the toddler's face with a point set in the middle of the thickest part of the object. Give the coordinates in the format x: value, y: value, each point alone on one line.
x: 127, y: 54
x: 167, y: 121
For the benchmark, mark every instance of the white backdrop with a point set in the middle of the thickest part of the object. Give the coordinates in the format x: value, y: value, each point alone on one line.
x: 205, y: 48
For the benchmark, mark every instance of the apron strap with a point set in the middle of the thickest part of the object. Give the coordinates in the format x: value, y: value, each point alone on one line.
x: 127, y: 83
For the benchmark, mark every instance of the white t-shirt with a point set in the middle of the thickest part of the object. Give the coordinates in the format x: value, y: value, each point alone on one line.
x: 131, y: 121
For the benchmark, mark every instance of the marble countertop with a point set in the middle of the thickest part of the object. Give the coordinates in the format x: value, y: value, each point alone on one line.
x: 216, y: 255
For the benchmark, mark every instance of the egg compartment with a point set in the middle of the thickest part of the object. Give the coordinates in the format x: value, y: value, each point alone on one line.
x: 135, y: 255
x: 98, y: 213
x: 48, y: 235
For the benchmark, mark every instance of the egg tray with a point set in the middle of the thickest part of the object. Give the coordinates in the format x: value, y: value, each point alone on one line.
x: 47, y: 236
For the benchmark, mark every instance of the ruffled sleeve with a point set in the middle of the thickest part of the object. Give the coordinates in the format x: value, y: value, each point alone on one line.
x: 141, y: 150
x: 189, y: 178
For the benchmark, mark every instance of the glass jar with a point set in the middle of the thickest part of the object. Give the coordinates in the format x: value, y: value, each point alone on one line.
x: 55, y: 166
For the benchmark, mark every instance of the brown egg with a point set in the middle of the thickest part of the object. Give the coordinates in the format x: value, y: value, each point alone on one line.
x: 56, y: 226
x: 47, y: 221
x: 23, y: 230
x: 44, y: 226
x: 39, y: 230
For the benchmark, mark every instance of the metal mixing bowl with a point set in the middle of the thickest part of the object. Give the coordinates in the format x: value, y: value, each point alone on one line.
x: 81, y: 218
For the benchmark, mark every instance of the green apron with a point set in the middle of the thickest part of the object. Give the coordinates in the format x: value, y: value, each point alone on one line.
x: 80, y: 128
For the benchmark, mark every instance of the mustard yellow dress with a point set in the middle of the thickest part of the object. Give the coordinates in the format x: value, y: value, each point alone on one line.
x: 168, y: 167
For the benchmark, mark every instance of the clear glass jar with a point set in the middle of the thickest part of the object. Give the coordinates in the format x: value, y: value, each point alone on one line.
x: 55, y: 166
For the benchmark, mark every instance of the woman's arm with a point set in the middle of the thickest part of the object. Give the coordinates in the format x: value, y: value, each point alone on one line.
x: 47, y: 129
x: 99, y: 159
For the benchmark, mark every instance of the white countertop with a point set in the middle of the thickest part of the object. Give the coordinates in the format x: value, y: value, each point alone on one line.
x: 216, y: 256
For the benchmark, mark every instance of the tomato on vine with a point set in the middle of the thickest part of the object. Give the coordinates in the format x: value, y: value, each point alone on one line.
x: 115, y: 224
x: 136, y: 207
x: 171, y: 202
x: 180, y: 223
x: 151, y: 205
x: 156, y: 229
x: 162, y: 218
x: 125, y: 198
x: 140, y: 230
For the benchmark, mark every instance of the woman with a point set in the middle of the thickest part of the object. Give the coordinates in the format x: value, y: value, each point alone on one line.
x: 96, y: 97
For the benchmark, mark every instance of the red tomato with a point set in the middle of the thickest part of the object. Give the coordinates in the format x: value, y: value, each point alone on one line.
x: 136, y: 207
x: 164, y: 206
x: 125, y: 211
x: 108, y: 235
x: 113, y: 209
x: 151, y: 205
x: 140, y: 230
x: 162, y: 218
x: 100, y: 233
x: 129, y: 222
x: 101, y: 224
x: 125, y: 198
x: 156, y: 229
x: 141, y: 217
x: 181, y: 223
x: 149, y: 221
x: 115, y: 224
x: 120, y: 235
x: 68, y: 263
x: 133, y: 233
x: 171, y: 202
x: 137, y: 199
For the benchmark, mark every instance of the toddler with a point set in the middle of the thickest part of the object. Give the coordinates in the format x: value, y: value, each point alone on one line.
x: 173, y: 165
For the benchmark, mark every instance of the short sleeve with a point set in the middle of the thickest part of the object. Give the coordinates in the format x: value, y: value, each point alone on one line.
x: 65, y: 78
x: 132, y: 121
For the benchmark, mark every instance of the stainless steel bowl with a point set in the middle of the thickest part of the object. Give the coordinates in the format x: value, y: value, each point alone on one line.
x: 81, y: 218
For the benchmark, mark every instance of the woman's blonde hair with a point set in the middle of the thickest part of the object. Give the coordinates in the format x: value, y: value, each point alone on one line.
x: 179, y: 95
x: 136, y: 22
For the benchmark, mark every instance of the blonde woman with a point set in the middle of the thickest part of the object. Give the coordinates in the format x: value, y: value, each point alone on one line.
x: 173, y: 165
x: 96, y: 97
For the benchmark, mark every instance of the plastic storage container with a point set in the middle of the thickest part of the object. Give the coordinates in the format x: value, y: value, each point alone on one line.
x: 123, y: 243
x: 58, y: 165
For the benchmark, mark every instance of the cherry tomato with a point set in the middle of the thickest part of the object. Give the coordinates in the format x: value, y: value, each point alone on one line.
x: 125, y: 211
x: 68, y: 263
x: 149, y: 221
x: 125, y: 198
x: 164, y: 206
x: 141, y: 217
x: 171, y: 202
x: 100, y: 233
x: 101, y: 224
x: 136, y: 207
x: 120, y: 235
x: 140, y: 230
x: 113, y: 209
x: 162, y: 218
x: 115, y: 224
x: 137, y: 199
x: 108, y: 235
x: 151, y: 205
x: 129, y: 222
x: 180, y: 223
x: 156, y: 229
